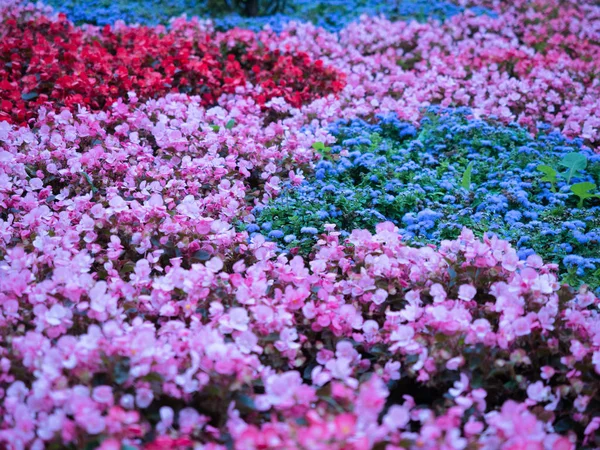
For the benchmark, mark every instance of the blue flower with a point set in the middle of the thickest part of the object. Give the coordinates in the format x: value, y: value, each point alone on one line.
x: 252, y: 228
x: 413, y: 180
x: 276, y: 234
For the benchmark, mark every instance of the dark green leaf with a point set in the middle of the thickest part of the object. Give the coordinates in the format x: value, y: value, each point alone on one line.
x: 121, y: 370
x: 29, y: 95
x: 201, y: 255
x: 245, y: 401
x: 466, y: 179
x: 90, y: 182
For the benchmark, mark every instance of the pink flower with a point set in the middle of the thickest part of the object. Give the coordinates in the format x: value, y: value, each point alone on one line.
x: 190, y: 420
x: 103, y: 394
x: 578, y: 350
x: 438, y: 293
x: 547, y: 372
x: 143, y: 397
x: 538, y: 392
x: 455, y: 363
x: 117, y: 204
x: 466, y: 292
x: 379, y: 297
x: 396, y: 417
x: 214, y: 264
x: 238, y: 319
x: 563, y: 443
x: 166, y: 419
x: 402, y: 335
x: 521, y: 326
x: 344, y: 425
x: 247, y: 342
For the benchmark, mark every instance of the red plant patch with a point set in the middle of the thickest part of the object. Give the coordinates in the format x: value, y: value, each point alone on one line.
x: 49, y: 61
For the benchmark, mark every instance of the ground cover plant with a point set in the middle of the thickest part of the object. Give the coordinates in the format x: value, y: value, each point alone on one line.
x: 449, y: 173
x: 48, y: 61
x: 330, y: 14
x: 439, y: 293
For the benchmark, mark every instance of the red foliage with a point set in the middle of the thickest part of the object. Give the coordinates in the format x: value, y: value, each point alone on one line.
x: 167, y: 443
x: 49, y: 61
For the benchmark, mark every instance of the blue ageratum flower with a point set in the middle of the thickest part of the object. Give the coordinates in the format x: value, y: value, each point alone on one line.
x: 252, y: 228
x: 332, y: 15
x: 413, y: 178
x: 276, y: 234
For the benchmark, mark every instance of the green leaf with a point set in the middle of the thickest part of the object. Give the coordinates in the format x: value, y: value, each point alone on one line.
x: 215, y: 128
x: 90, y: 182
x: 121, y: 370
x: 318, y: 146
x: 466, y: 178
x: 201, y: 255
x: 573, y: 162
x: 322, y: 149
x: 92, y: 445
x: 582, y: 190
x: 229, y: 125
x: 153, y: 376
x: 29, y: 95
x: 245, y: 401
x: 549, y: 175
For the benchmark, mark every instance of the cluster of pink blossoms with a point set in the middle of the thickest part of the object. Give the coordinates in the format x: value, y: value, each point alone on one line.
x: 536, y: 61
x: 133, y: 315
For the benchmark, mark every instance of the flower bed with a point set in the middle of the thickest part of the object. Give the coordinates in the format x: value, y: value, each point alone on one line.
x: 141, y: 309
x: 449, y: 174
x: 330, y: 14
x: 49, y: 62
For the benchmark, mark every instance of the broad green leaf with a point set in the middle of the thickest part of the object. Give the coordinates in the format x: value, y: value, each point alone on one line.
x: 318, y: 146
x: 549, y: 175
x: 230, y: 124
x: 583, y: 191
x: 466, y: 178
x: 573, y: 162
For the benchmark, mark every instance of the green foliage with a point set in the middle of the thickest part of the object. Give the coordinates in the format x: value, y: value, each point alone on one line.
x: 574, y: 162
x: 90, y: 182
x: 322, y: 149
x: 449, y: 174
x: 582, y: 190
x: 549, y: 175
x: 466, y: 179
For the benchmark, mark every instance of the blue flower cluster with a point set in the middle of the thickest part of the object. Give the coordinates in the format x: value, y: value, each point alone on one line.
x: 449, y: 173
x: 329, y: 14
x: 333, y: 15
x: 143, y: 12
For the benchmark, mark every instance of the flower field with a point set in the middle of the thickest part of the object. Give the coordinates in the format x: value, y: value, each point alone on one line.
x: 348, y: 225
